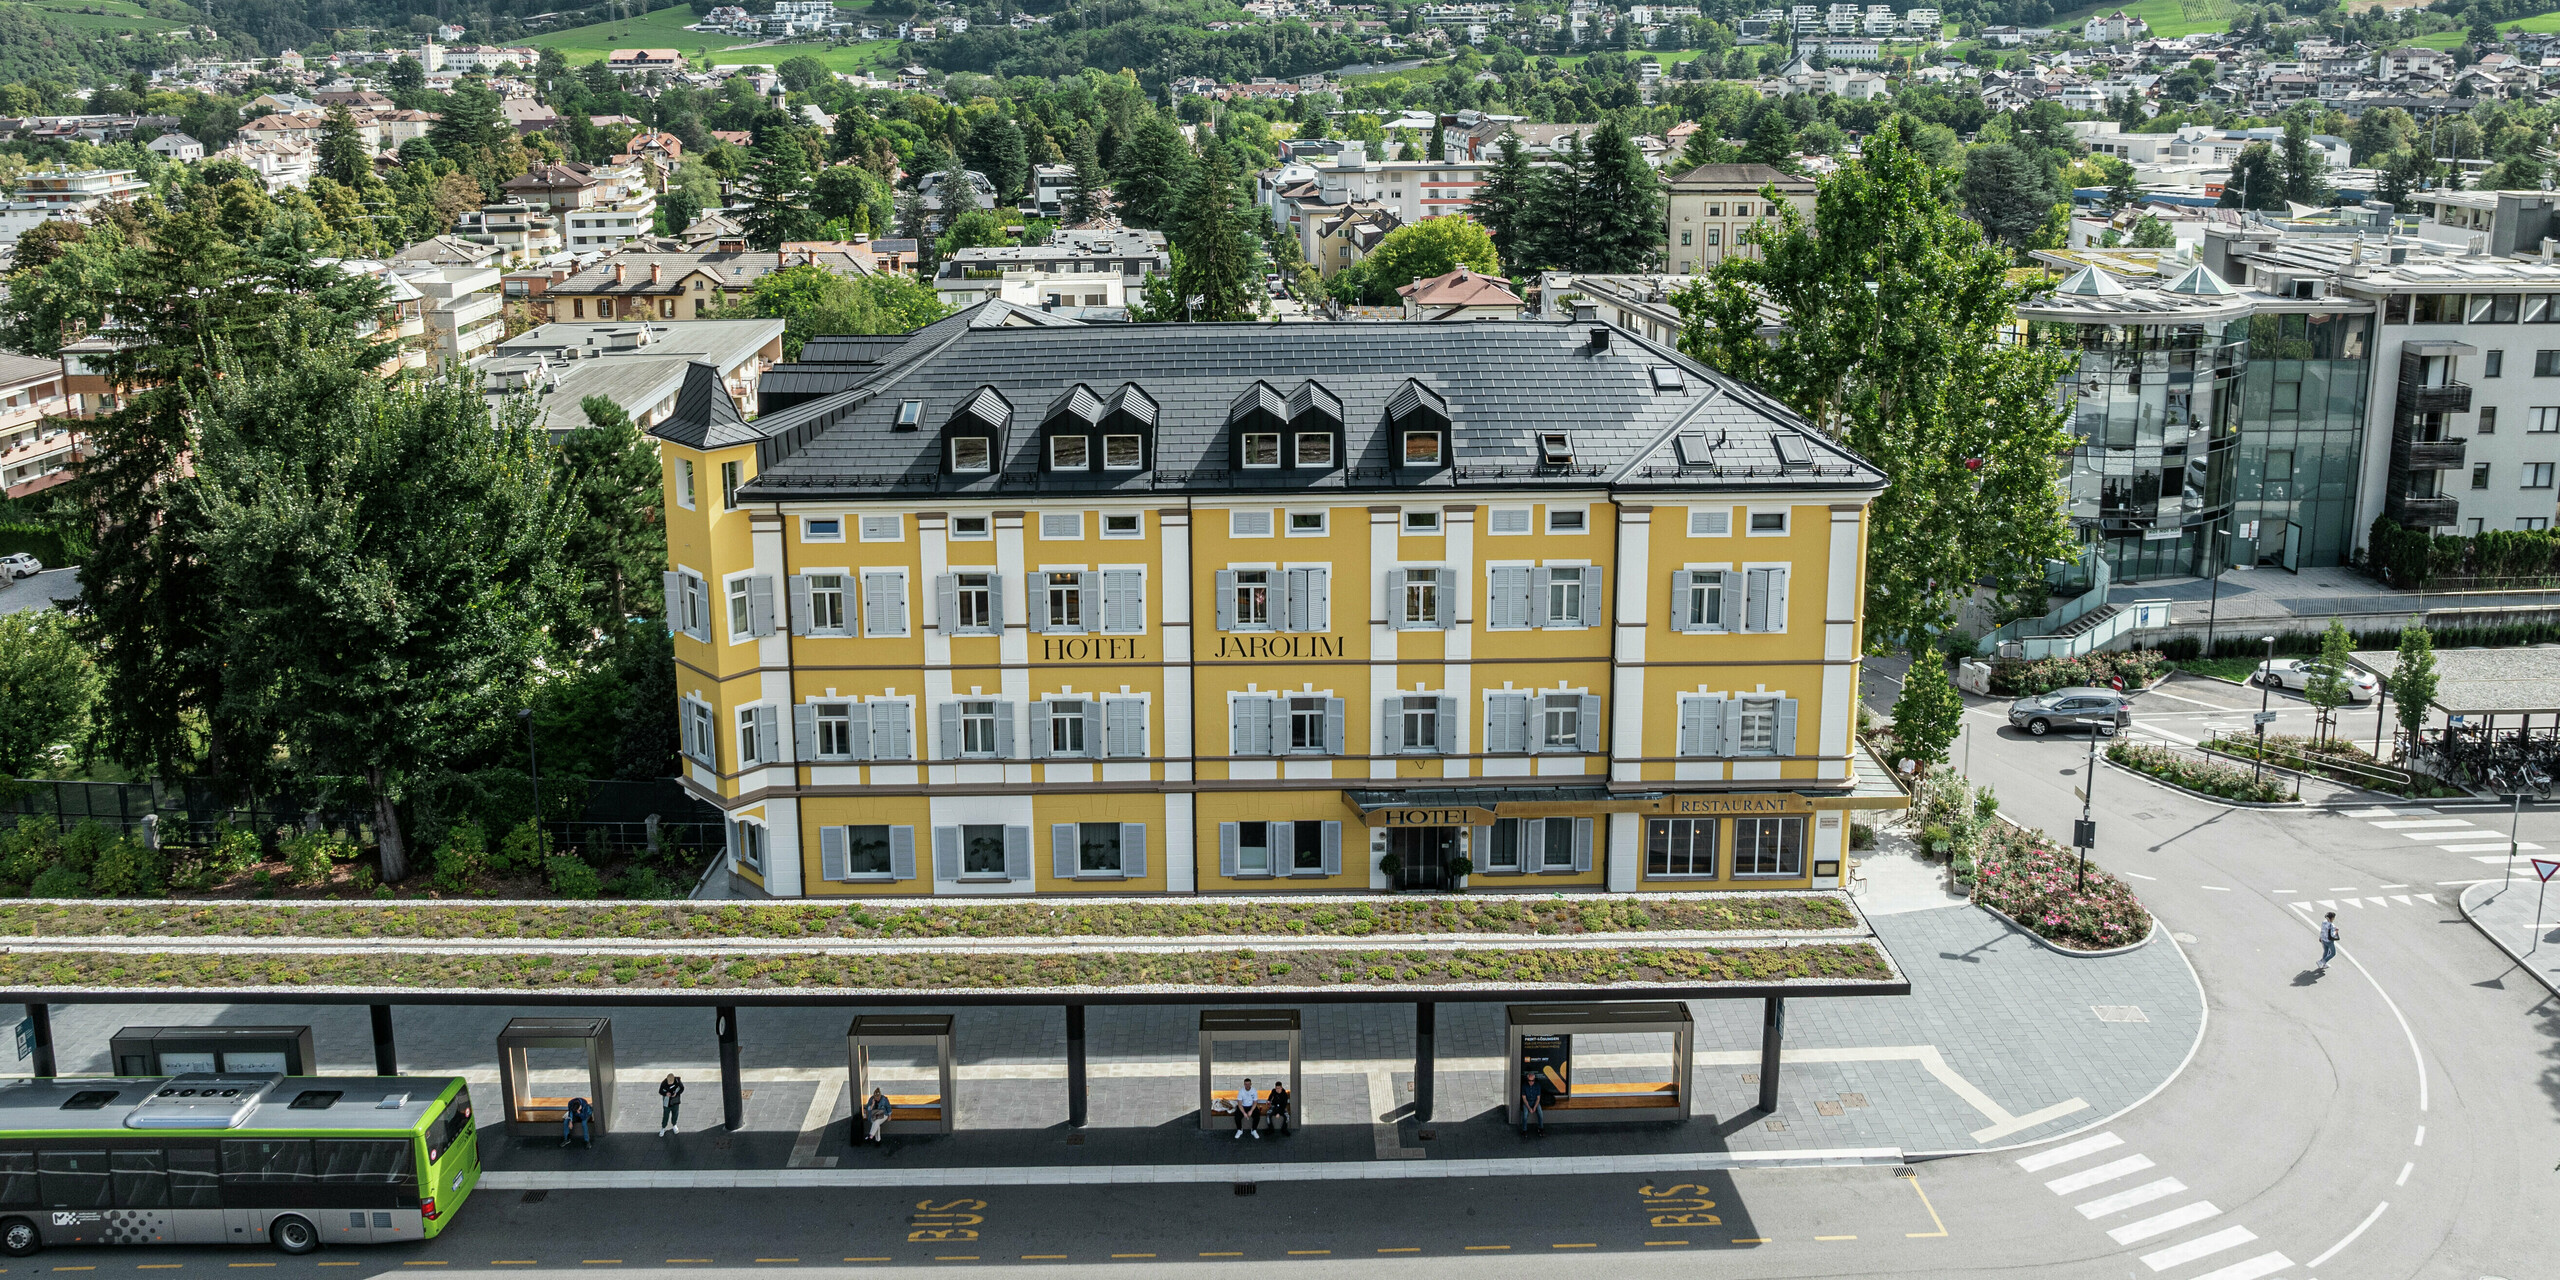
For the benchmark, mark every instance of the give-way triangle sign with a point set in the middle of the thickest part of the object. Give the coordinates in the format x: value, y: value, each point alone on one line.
x: 2544, y: 869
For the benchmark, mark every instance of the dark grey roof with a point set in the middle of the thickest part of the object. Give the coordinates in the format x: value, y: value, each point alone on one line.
x: 1500, y: 386
x: 705, y: 417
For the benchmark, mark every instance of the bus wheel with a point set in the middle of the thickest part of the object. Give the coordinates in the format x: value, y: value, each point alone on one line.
x: 293, y: 1235
x: 18, y: 1237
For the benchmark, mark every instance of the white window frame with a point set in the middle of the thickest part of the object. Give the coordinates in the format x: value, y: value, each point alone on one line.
x: 1088, y: 709
x: 849, y: 617
x: 1753, y: 705
x: 1275, y: 583
x: 1109, y: 465
x: 1439, y: 449
x: 1581, y: 584
x: 1083, y: 443
x: 809, y: 531
x: 1086, y: 610
x: 738, y: 623
x: 984, y: 442
x: 1786, y: 522
x: 910, y: 413
x: 748, y: 723
x: 995, y: 736
x: 1584, y: 512
x: 992, y: 586
x: 1324, y: 523
x: 1245, y: 447
x: 897, y: 528
x: 985, y: 531
x: 748, y: 840
x: 1406, y: 585
x: 1298, y: 449
x: 684, y: 483
x: 1711, y: 522
x: 1136, y: 529
x: 1045, y: 526
x: 1424, y: 522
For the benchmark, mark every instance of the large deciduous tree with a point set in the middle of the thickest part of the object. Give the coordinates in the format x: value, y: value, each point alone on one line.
x: 1431, y: 247
x: 1930, y: 713
x: 384, y: 561
x: 1891, y: 343
x: 48, y: 688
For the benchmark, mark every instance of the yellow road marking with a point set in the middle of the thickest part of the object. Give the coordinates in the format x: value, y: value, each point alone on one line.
x: 331, y: 1264
x: 599, y: 1262
x: 955, y: 1257
x: 1413, y: 1250
x: 513, y: 1262
x: 1751, y: 1239
x: 688, y: 1259
x: 1655, y: 1244
x: 777, y: 1259
x: 1042, y: 1257
x: 1133, y: 1255
x: 1835, y: 1237
x: 1222, y: 1255
x: 1304, y: 1253
x: 267, y: 1264
x: 1573, y: 1246
x: 433, y: 1262
x: 866, y: 1259
x: 75, y: 1268
x: 163, y: 1266
x: 1934, y: 1219
x: 1486, y: 1248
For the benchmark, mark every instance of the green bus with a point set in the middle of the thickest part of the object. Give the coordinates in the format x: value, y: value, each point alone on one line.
x: 296, y: 1162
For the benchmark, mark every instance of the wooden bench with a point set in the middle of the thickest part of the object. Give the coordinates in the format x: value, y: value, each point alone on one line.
x: 1228, y: 1096
x: 540, y: 1111
x: 915, y: 1106
x: 1612, y: 1097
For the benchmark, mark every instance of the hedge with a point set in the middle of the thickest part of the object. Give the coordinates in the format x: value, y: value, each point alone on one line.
x: 2044, y: 675
x: 2213, y: 778
x: 2412, y: 558
x: 906, y: 919
x: 1347, y: 967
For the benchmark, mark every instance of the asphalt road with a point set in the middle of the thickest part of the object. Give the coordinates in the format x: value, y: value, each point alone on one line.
x: 2396, y: 1116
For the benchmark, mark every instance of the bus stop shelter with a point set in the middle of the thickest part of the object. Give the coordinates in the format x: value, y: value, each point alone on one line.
x: 908, y: 1112
x: 1219, y: 1026
x: 171, y: 1051
x: 530, y: 1116
x: 1540, y: 1037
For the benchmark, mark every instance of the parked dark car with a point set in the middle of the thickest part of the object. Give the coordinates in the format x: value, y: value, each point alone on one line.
x: 2097, y: 710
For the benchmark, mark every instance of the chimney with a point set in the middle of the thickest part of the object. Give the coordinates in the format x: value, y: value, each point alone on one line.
x: 657, y: 273
x: 620, y: 272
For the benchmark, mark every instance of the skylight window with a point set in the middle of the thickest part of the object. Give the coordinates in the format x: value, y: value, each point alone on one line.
x: 1555, y: 448
x: 1792, y: 449
x: 1666, y: 378
x: 909, y: 413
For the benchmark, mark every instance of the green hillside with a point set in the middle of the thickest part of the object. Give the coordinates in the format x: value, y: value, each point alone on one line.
x: 665, y: 29
x: 2169, y: 19
x: 96, y: 15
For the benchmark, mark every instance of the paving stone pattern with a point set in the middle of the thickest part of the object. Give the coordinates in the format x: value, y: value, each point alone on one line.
x: 2015, y: 1020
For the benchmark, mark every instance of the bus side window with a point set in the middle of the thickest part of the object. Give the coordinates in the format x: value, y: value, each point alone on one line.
x: 266, y: 1160
x: 18, y: 1180
x: 372, y: 1161
x: 73, y: 1179
x: 193, y: 1184
x: 142, y: 1179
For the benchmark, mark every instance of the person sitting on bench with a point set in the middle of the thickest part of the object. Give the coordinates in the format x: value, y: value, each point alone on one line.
x: 1247, y: 1104
x: 875, y: 1114
x: 578, y: 1121
x: 1533, y: 1101
x: 1275, y: 1107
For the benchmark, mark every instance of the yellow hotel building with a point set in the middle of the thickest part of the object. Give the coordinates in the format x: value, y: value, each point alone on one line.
x: 1011, y: 606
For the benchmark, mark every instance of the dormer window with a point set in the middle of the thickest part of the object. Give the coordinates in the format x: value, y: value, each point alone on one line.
x: 1124, y: 453
x: 1262, y: 449
x: 974, y: 435
x: 1070, y: 453
x: 1314, y: 449
x: 1422, y: 448
x: 972, y: 453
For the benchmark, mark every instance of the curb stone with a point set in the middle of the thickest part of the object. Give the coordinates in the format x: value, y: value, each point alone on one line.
x: 2058, y: 949
x: 2464, y: 902
x: 2207, y: 797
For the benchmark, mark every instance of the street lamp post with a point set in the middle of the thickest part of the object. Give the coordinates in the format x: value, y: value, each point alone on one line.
x: 2085, y: 832
x: 2259, y: 771
x: 535, y: 760
x: 2515, y: 821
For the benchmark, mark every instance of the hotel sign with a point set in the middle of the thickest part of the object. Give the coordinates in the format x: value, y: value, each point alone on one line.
x: 1445, y: 816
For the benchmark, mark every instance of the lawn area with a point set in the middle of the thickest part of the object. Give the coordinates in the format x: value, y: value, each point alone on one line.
x: 2168, y: 18
x: 664, y: 29
x: 2441, y: 39
x: 100, y: 15
x: 2538, y: 22
x: 869, y: 55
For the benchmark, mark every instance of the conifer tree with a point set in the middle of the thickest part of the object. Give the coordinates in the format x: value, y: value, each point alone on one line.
x: 1214, y: 278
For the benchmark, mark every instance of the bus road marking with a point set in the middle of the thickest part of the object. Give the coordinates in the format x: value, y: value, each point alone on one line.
x: 599, y: 1262
x: 1222, y: 1255
x: 1308, y: 1253
x: 1486, y: 1248
x: 1657, y: 1244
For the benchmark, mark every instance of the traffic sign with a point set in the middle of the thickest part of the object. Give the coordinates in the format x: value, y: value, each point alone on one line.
x: 2263, y: 717
x: 2540, y: 868
x: 2116, y: 683
x: 26, y: 1038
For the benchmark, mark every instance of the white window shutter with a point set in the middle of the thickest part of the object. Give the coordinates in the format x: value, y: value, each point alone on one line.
x: 684, y: 730
x: 1089, y: 585
x: 1004, y: 732
x: 1497, y: 596
x: 804, y: 734
x: 1037, y: 586
x: 949, y: 714
x: 1293, y: 610
x: 1124, y: 601
x: 1227, y: 850
x: 1732, y: 727
x: 1263, y: 739
x: 1777, y: 600
x: 1445, y: 733
x: 1755, y: 607
x: 888, y: 593
x: 1226, y: 601
x: 831, y: 853
x: 885, y: 731
x: 1448, y: 615
x: 995, y: 604
x: 1595, y: 599
x: 1017, y: 853
x: 1280, y: 839
x: 1582, y: 844
x: 1391, y: 723
x: 802, y: 621
x: 1501, y: 722
x: 1540, y: 579
x: 1133, y: 849
x: 1062, y: 850
x: 946, y: 853
x: 672, y: 588
x: 759, y: 605
x: 1481, y: 852
x: 1786, y: 737
x: 1239, y: 726
x: 768, y: 735
x: 1693, y: 727
x: 1319, y: 600
x: 1393, y: 582
x: 1334, y: 711
x: 1728, y: 608
x: 1333, y: 848
x: 698, y: 592
x: 1681, y: 582
x: 1587, y: 725
x: 946, y: 602
x: 902, y: 853
x: 1533, y: 840
x: 1039, y: 730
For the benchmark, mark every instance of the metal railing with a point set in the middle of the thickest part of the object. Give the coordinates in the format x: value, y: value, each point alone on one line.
x: 2035, y: 636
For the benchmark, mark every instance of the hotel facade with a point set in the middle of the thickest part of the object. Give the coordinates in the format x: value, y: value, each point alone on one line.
x: 1016, y: 606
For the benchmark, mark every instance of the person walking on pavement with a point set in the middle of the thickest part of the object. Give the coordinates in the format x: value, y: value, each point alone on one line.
x: 579, y: 1118
x: 670, y: 1101
x: 2328, y: 940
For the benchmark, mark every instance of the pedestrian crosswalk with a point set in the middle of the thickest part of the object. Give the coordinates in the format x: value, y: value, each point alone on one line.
x: 2213, y: 1255
x: 2308, y: 905
x: 2447, y: 834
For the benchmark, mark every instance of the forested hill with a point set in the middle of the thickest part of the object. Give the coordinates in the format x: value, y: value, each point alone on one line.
x: 284, y: 24
x: 1153, y: 36
x: 34, y: 47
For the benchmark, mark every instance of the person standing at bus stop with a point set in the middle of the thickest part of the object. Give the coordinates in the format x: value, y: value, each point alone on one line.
x: 579, y: 1119
x: 670, y: 1102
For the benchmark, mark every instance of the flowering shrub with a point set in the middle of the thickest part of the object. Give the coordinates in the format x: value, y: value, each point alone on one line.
x: 2026, y: 878
x: 2214, y: 779
x: 2044, y: 675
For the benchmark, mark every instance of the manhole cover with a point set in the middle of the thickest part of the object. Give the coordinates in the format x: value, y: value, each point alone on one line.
x: 2119, y: 1013
x: 1777, y: 1126
x: 1075, y: 1139
x: 1244, y: 1188
x: 534, y: 1197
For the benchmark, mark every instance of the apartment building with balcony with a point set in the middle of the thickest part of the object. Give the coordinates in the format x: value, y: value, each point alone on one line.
x: 680, y: 286
x: 52, y: 193
x: 1013, y: 605
x: 1070, y: 269
x: 464, y: 308
x: 39, y: 438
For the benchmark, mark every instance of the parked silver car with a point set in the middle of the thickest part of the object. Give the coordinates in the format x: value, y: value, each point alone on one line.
x: 2097, y: 710
x: 2296, y: 674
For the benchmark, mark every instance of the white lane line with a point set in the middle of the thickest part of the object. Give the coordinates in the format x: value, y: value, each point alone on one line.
x: 2441, y: 884
x: 2491, y: 858
x: 2520, y: 846
x: 2215, y: 887
x: 2391, y: 886
x: 2417, y: 1056
x: 2403, y: 1179
x: 2162, y: 1224
x: 2342, y: 888
x: 2198, y: 702
x: 2351, y: 1236
x: 2402, y: 899
x: 2123, y: 1200
x: 2421, y: 1139
x: 2200, y: 1247
x: 2443, y: 837
x: 2101, y: 1175
x: 2412, y: 824
x: 2265, y: 1264
x: 2281, y: 891
x: 2069, y: 1152
x: 2137, y: 875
